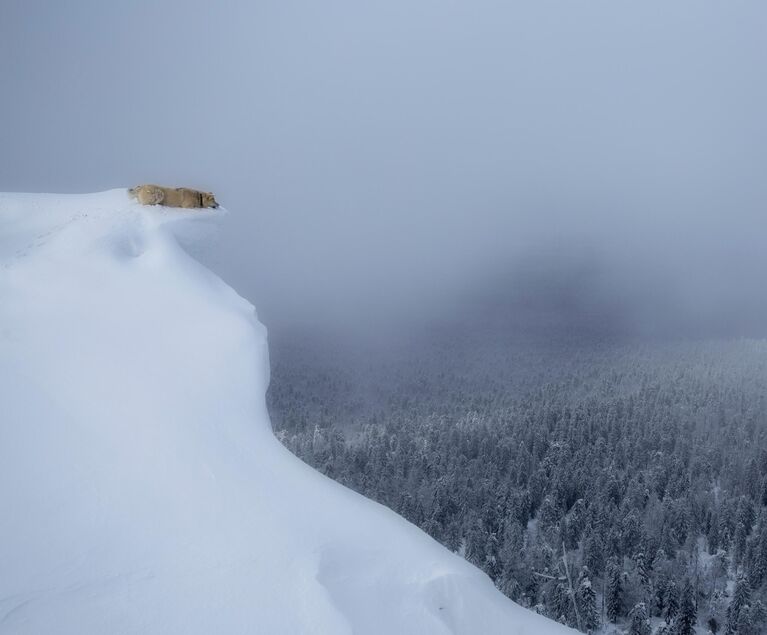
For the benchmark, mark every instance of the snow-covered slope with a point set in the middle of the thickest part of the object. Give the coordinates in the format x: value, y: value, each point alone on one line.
x: 141, y: 488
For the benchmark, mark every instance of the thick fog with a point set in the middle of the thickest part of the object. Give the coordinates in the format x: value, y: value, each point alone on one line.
x: 596, y: 161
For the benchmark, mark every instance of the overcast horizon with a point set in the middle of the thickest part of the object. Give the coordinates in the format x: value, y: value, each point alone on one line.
x: 400, y: 160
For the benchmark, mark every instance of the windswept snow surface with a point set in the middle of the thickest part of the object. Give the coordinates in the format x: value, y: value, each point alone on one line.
x: 141, y: 488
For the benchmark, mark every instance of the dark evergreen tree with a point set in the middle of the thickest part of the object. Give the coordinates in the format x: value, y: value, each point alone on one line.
x: 594, y: 554
x: 671, y: 604
x: 741, y: 599
x: 757, y: 565
x: 687, y: 615
x: 643, y: 571
x: 712, y: 534
x: 639, y: 623
x: 739, y: 543
x: 587, y: 602
x: 560, y: 605
x: 614, y: 591
x: 757, y: 617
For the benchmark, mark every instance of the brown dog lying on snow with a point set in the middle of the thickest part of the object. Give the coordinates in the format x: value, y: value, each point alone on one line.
x: 172, y: 197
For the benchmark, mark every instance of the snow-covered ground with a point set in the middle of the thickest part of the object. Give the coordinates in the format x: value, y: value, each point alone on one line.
x: 141, y: 488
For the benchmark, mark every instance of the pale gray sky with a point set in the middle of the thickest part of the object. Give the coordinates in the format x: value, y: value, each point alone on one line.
x: 381, y: 158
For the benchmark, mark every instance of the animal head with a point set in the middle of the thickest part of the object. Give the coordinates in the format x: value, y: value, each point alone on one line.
x: 208, y: 200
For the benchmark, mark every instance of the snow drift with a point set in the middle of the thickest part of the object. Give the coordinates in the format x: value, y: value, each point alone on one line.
x: 141, y: 488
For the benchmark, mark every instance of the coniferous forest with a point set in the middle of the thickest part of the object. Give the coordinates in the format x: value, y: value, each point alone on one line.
x: 614, y: 487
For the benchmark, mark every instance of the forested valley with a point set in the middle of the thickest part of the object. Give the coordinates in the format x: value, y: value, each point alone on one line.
x: 615, y: 487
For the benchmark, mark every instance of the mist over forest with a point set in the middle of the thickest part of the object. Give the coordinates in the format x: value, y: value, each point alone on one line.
x: 399, y: 161
x: 511, y: 258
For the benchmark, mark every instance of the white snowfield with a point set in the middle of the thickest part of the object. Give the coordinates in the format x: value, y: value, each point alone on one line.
x: 141, y: 488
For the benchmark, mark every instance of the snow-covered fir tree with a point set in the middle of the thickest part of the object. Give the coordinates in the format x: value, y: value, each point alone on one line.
x: 639, y: 621
x: 614, y: 591
x: 684, y: 624
x: 587, y: 602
